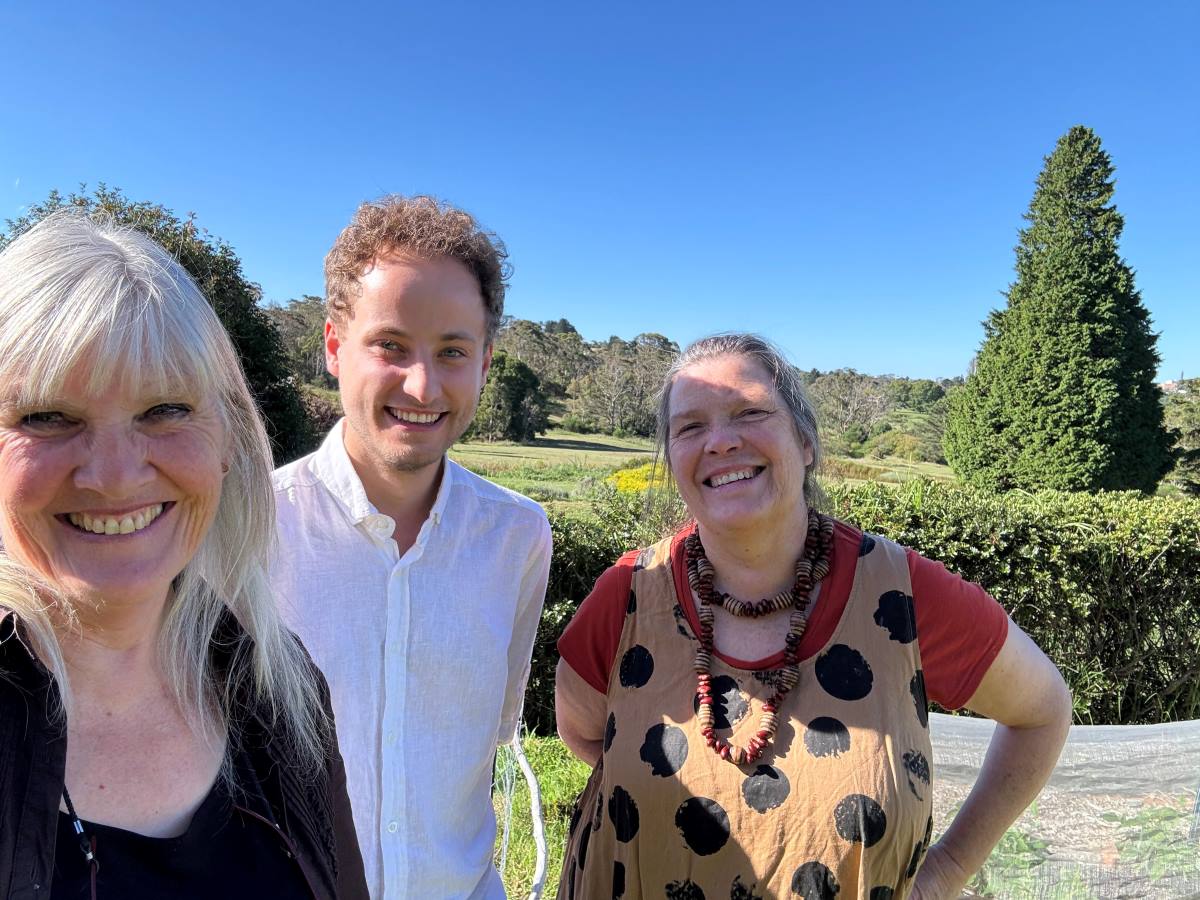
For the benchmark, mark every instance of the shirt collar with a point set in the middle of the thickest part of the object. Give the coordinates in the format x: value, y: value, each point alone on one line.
x: 331, y: 463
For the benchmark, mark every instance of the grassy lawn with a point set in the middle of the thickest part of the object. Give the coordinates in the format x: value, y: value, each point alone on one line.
x: 561, y: 777
x: 559, y: 469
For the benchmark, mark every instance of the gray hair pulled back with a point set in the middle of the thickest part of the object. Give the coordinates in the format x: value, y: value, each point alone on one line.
x: 782, y: 374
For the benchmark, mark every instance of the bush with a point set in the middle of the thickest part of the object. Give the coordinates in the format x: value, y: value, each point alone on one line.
x: 1105, y: 584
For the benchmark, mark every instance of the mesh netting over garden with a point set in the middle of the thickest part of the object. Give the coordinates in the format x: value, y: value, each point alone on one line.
x: 1118, y: 819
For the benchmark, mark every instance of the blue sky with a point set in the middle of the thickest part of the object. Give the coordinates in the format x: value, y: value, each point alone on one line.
x: 846, y: 179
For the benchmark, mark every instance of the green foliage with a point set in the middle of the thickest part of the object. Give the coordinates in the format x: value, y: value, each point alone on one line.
x: 1063, y: 394
x: 1182, y: 413
x: 1156, y: 840
x: 301, y: 325
x: 561, y: 777
x: 218, y: 272
x: 617, y: 394
x: 1103, y: 583
x: 512, y: 407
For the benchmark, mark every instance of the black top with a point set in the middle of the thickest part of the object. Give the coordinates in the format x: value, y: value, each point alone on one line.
x: 221, y: 840
x: 304, y: 813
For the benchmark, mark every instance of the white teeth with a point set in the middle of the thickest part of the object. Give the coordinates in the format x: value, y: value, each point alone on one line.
x: 415, y: 418
x: 127, y: 524
x: 728, y: 477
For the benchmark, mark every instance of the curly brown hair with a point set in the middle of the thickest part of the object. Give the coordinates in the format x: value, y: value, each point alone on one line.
x: 422, y: 226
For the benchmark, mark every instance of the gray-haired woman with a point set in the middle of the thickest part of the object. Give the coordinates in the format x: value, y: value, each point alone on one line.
x: 779, y: 747
x: 163, y: 734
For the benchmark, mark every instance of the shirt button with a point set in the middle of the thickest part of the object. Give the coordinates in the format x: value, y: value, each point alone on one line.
x: 391, y: 737
x: 392, y: 826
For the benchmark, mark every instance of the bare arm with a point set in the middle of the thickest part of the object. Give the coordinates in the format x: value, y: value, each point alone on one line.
x: 580, y: 712
x: 1027, y: 697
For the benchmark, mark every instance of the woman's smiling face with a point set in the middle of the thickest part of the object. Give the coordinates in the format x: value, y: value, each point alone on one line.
x: 108, y: 494
x: 733, y: 448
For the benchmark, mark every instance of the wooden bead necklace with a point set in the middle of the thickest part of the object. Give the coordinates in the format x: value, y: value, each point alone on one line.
x: 811, y: 567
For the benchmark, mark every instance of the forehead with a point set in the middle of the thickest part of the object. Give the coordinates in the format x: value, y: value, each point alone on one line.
x: 439, y: 293
x: 719, y: 382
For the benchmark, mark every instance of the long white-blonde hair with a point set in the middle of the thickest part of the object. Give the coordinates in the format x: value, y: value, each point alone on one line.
x: 80, y: 294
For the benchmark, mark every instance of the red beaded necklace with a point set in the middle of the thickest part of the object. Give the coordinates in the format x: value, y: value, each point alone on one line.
x: 811, y: 567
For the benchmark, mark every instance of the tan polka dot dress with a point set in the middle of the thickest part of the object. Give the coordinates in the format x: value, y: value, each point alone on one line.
x: 839, y: 806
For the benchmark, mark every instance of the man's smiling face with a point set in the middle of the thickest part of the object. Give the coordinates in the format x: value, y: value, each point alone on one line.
x: 411, y: 361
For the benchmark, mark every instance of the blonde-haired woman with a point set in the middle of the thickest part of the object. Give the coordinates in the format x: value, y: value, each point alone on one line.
x: 163, y: 734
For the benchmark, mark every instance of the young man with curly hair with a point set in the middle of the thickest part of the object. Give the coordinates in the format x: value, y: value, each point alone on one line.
x: 416, y: 585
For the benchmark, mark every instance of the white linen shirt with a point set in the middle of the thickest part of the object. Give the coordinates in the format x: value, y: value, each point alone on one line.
x: 426, y: 655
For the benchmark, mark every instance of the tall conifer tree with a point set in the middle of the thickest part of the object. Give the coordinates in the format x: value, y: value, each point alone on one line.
x: 1063, y: 392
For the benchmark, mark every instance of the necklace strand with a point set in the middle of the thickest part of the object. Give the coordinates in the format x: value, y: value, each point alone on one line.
x: 811, y: 567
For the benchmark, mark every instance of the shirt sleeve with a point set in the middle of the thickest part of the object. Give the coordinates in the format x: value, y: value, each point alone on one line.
x: 589, y: 642
x: 960, y: 630
x: 525, y: 626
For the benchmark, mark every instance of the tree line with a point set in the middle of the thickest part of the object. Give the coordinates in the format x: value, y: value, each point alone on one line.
x: 1061, y: 393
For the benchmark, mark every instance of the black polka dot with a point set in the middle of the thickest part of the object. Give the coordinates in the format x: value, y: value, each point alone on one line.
x: 618, y: 880
x: 637, y: 665
x: 729, y: 706
x: 883, y: 892
x: 624, y: 814
x: 814, y: 881
x: 766, y: 789
x: 631, y: 608
x: 703, y: 824
x: 576, y: 813
x: 914, y: 861
x: 740, y: 891
x: 684, y: 890
x: 571, y: 883
x: 826, y: 736
x: 860, y: 820
x: 896, y: 614
x: 681, y: 623
x: 665, y: 749
x: 916, y: 767
x: 843, y: 673
x: 866, y: 545
x: 598, y: 814
x: 583, y: 845
x: 610, y: 731
x: 928, y: 833
x: 917, y: 688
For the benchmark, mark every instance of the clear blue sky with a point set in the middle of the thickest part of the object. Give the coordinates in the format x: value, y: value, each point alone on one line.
x: 845, y: 178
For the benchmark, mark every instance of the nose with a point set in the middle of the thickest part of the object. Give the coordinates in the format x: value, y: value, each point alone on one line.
x: 116, y: 464
x: 420, y: 382
x: 723, y: 437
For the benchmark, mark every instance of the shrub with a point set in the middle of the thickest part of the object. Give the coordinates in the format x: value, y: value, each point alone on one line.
x: 1105, y: 584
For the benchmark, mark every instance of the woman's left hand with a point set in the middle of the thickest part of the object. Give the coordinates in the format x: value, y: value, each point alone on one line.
x: 940, y: 877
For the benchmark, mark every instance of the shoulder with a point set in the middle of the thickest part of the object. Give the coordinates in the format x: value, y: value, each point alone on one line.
x: 488, y: 493
x: 297, y: 473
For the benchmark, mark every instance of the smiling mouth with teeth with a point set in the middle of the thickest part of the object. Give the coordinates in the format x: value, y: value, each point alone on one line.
x: 126, y: 524
x: 730, y: 477
x: 414, y: 418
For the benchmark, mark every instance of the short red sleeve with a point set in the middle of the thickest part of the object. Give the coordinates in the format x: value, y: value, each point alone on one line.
x: 590, y: 640
x: 960, y: 629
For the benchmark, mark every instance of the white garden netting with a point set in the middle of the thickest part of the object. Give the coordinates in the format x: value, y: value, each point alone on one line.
x: 1120, y: 817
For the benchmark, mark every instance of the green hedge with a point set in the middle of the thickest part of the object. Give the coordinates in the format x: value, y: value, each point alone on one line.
x: 1106, y: 584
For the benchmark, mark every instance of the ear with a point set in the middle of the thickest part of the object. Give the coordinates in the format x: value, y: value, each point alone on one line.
x: 808, y: 456
x: 332, y: 344
x: 487, y: 363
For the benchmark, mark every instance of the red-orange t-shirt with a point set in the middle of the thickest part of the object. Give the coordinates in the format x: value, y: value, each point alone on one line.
x: 960, y: 628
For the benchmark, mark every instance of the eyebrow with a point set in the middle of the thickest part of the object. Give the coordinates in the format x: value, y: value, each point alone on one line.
x: 446, y: 336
